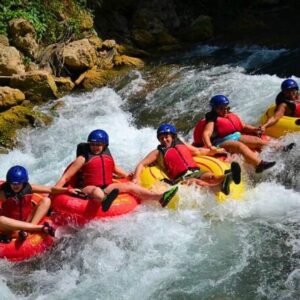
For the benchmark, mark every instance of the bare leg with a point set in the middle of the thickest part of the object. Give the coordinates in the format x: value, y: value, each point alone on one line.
x: 253, y: 142
x: 41, y: 210
x: 134, y: 189
x: 238, y: 147
x: 8, y: 225
x: 207, y: 179
x: 94, y: 192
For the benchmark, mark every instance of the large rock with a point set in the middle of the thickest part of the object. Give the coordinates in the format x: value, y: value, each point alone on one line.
x: 109, y: 44
x: 24, y: 36
x: 128, y: 61
x: 10, y: 61
x: 105, y: 59
x: 79, y: 55
x: 38, y: 86
x: 131, y: 51
x: 10, y: 97
x: 64, y: 86
x: 95, y: 41
x: 96, y: 78
x: 16, y: 118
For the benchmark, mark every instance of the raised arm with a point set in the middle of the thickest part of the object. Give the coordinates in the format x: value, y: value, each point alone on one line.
x: 71, y: 171
x: 149, y: 159
x: 278, y: 114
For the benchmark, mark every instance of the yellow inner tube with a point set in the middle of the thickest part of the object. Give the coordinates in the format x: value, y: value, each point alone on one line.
x: 283, y: 126
x: 152, y: 175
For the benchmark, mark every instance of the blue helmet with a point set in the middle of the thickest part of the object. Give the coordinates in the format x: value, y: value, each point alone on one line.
x: 98, y: 136
x: 218, y: 100
x: 166, y: 128
x: 17, y: 174
x: 289, y: 84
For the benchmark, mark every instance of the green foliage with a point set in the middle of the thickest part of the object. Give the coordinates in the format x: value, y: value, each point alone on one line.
x: 29, y: 10
x: 53, y: 20
x: 26, y: 60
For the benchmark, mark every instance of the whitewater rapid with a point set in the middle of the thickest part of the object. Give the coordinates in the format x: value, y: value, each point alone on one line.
x: 247, y: 249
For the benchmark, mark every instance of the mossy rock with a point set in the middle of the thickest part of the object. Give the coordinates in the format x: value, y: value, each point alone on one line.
x: 16, y: 118
x: 128, y: 61
x: 96, y: 78
x: 38, y: 86
x: 64, y: 86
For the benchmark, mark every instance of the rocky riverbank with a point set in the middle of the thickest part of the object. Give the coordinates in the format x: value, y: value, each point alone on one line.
x: 33, y: 71
x: 51, y: 48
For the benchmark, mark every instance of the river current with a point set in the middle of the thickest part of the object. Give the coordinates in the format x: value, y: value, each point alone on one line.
x: 247, y: 249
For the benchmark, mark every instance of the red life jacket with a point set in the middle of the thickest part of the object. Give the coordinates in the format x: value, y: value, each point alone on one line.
x: 17, y: 206
x: 98, y: 169
x: 223, y: 126
x: 177, y: 159
x: 228, y: 125
x: 198, y: 133
x: 297, y: 111
x: 292, y: 105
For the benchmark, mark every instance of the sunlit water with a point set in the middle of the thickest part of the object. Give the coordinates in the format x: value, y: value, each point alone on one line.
x: 247, y: 249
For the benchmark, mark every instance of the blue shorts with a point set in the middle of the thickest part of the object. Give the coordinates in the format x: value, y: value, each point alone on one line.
x: 230, y: 137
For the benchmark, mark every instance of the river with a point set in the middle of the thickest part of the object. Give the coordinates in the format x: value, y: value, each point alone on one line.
x: 247, y: 249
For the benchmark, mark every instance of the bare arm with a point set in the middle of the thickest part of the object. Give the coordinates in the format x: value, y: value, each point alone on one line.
x: 207, y: 133
x: 149, y: 159
x: 53, y: 189
x: 204, y: 151
x: 2, y: 196
x: 120, y: 172
x: 72, y: 170
x: 278, y: 114
x: 41, y: 189
x: 250, y: 129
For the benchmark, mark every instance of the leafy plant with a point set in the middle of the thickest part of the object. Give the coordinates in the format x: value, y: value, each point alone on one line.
x: 53, y: 20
